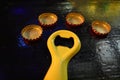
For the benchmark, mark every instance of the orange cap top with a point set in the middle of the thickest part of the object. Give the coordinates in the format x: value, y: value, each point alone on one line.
x: 47, y: 19
x: 74, y: 19
x: 100, y: 28
x: 31, y: 32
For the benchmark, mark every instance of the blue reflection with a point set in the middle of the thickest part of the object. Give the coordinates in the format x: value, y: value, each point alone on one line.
x: 21, y: 42
x: 18, y: 11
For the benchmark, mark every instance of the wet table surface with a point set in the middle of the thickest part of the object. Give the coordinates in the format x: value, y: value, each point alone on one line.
x: 98, y: 59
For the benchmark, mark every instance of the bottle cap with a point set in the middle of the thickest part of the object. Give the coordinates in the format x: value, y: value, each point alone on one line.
x: 74, y: 19
x: 47, y: 19
x: 100, y: 28
x: 31, y: 32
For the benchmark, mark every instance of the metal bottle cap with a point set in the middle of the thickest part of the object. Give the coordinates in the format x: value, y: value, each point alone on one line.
x: 100, y: 28
x: 31, y: 32
x: 74, y: 19
x: 47, y: 19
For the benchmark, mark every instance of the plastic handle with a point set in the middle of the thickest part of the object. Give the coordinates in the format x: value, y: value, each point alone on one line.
x: 61, y: 55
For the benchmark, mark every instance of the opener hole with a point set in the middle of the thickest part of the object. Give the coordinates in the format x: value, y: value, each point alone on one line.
x: 64, y: 41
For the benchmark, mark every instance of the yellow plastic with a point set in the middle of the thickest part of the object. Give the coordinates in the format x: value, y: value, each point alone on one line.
x: 61, y: 55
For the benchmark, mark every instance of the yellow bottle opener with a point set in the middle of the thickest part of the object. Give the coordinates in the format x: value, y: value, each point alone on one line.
x: 61, y: 55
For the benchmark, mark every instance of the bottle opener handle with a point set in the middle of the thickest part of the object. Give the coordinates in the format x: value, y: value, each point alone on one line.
x: 61, y: 55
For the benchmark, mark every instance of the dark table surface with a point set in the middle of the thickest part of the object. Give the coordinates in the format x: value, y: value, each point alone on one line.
x: 98, y: 59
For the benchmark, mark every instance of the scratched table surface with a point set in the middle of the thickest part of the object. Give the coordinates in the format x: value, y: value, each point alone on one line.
x: 98, y: 59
